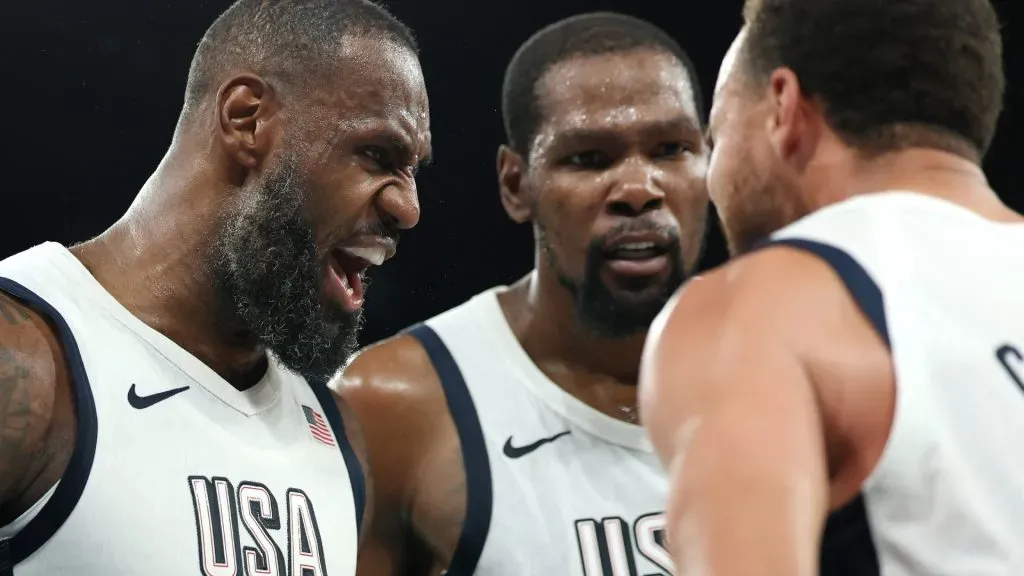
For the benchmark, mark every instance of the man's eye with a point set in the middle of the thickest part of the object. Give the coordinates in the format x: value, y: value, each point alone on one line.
x: 380, y: 157
x: 672, y: 149
x: 590, y: 160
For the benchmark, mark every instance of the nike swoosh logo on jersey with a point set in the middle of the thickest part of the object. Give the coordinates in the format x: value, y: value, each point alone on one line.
x: 143, y: 402
x: 520, y: 451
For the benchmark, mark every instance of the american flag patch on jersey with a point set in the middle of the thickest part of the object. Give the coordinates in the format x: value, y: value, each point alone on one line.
x: 317, y: 427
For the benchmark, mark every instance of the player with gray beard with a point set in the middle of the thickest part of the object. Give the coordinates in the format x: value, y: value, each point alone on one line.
x: 154, y: 417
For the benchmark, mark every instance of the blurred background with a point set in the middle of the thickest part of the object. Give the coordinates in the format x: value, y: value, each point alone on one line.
x: 93, y: 90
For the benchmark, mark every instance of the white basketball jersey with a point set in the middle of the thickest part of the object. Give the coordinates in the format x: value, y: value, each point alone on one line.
x: 554, y: 486
x: 945, y: 290
x: 174, y: 471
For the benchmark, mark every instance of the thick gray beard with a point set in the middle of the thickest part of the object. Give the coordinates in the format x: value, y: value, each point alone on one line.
x: 270, y: 274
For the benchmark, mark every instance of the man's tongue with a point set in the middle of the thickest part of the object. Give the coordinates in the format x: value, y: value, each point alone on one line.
x: 348, y: 269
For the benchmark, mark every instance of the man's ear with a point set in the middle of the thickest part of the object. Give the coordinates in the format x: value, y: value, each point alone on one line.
x: 511, y: 169
x: 792, y: 129
x: 247, y: 119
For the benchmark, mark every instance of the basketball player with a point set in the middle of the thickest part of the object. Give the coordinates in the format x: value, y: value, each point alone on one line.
x: 145, y: 426
x: 865, y: 358
x: 503, y: 433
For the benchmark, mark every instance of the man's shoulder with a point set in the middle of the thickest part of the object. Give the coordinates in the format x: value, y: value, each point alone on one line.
x: 34, y: 394
x: 399, y: 364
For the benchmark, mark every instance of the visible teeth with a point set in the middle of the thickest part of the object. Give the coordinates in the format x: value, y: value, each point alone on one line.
x: 344, y: 284
x: 638, y: 246
x: 373, y: 255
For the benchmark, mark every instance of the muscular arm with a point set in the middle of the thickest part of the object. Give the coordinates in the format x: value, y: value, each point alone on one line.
x: 395, y: 394
x: 35, y: 408
x: 734, y: 414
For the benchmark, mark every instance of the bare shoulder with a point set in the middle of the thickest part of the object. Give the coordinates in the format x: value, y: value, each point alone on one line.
x: 394, y: 391
x: 35, y: 400
x: 777, y: 303
x: 393, y: 377
x: 784, y: 290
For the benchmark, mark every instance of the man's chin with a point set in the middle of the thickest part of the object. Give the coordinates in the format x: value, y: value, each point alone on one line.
x: 639, y: 291
x: 319, y: 356
x: 621, y: 314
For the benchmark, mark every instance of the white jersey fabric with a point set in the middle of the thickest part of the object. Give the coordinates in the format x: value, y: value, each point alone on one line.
x: 944, y: 288
x: 554, y: 486
x: 174, y: 471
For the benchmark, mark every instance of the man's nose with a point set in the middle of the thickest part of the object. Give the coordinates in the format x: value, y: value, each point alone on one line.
x: 398, y: 206
x: 636, y: 190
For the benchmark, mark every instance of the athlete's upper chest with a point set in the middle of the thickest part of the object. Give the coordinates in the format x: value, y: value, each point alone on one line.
x: 185, y: 478
x: 584, y: 491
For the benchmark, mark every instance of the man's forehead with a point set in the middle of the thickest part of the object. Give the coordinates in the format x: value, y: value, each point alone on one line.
x: 616, y: 89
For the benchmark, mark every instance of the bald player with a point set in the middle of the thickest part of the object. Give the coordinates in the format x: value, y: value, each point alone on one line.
x: 503, y: 434
x: 154, y: 417
x: 846, y: 396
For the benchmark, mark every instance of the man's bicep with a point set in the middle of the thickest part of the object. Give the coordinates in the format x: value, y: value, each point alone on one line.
x: 732, y: 412
x: 28, y: 384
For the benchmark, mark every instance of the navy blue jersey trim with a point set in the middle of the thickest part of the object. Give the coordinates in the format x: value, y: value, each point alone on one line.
x: 859, y: 284
x: 479, y: 491
x: 847, y: 546
x: 355, y: 468
x: 67, y: 494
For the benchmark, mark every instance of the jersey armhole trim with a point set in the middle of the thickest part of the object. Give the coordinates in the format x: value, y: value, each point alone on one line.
x: 69, y: 491
x: 861, y: 287
x: 356, y: 476
x: 847, y: 544
x: 475, y: 462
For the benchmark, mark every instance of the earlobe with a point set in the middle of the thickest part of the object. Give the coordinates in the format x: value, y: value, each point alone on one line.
x: 245, y: 113
x: 510, y: 184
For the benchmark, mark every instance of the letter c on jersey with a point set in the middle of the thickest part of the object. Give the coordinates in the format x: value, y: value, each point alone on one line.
x: 219, y: 508
x: 1013, y: 362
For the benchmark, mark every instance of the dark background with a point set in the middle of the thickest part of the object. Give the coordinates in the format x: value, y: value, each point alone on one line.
x: 93, y: 89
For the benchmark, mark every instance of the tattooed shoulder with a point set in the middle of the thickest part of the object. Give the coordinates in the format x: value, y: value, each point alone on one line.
x: 11, y: 312
x: 27, y: 390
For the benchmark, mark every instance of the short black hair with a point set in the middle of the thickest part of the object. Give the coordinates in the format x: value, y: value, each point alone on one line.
x: 288, y: 40
x: 890, y: 74
x: 582, y: 35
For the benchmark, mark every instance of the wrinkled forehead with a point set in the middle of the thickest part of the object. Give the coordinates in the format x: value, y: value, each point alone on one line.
x: 616, y: 90
x: 377, y: 86
x: 380, y: 75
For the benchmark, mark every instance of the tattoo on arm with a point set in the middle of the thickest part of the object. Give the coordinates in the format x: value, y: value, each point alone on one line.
x: 25, y: 403
x: 11, y: 313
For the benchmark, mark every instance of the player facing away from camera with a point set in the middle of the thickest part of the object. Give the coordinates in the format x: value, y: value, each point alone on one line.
x: 503, y: 434
x: 846, y: 396
x: 154, y: 415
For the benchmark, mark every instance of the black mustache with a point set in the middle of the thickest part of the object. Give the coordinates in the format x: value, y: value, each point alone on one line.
x: 635, y: 227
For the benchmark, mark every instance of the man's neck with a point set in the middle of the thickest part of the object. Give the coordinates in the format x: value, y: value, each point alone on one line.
x: 154, y: 261
x: 543, y: 317
x: 935, y: 173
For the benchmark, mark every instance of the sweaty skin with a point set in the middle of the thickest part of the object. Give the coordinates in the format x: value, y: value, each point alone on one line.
x: 151, y: 260
x: 764, y: 388
x: 414, y: 449
x: 619, y: 143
